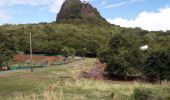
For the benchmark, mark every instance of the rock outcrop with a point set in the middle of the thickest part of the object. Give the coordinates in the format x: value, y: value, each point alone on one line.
x: 79, y: 11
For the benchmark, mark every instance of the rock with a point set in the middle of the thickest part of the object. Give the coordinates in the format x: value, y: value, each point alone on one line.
x: 81, y: 11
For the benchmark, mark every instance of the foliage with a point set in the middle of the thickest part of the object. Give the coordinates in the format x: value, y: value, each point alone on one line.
x: 123, y: 54
x: 5, y: 52
x: 157, y: 65
x: 82, y: 52
x: 142, y: 94
x: 68, y: 51
x: 51, y: 38
x: 5, y: 56
x: 117, y: 46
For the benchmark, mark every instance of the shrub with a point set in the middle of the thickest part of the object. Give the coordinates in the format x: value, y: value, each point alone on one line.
x: 157, y: 66
x: 5, y: 53
x: 123, y: 56
x: 68, y: 51
x: 142, y: 94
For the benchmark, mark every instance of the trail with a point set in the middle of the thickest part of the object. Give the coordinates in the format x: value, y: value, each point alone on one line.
x: 6, y: 73
x: 72, y: 64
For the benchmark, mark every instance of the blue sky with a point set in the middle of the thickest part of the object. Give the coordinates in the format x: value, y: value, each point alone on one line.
x: 131, y: 10
x: 147, y: 14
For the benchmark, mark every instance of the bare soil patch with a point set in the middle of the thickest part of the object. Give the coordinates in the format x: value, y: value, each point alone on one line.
x: 25, y: 76
x: 97, y: 72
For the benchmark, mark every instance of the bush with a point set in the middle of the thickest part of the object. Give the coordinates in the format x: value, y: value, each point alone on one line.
x: 68, y: 51
x: 5, y: 53
x: 157, y: 66
x: 123, y: 57
x: 142, y: 94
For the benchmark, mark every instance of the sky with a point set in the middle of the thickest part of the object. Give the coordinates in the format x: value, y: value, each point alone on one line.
x: 152, y: 15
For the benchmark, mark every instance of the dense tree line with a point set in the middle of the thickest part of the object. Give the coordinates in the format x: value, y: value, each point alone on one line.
x: 52, y: 38
x: 157, y: 65
x: 124, y: 56
x: 5, y: 50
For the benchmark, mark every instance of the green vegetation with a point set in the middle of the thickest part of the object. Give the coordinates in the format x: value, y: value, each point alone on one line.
x: 5, y: 51
x: 81, y: 31
x: 158, y: 65
x: 142, y: 94
x: 68, y: 51
x: 63, y: 82
x: 124, y: 57
x: 52, y: 38
x: 118, y: 47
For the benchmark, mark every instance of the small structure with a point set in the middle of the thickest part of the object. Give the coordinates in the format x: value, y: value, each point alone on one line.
x: 77, y: 58
x: 4, y: 68
x: 145, y: 47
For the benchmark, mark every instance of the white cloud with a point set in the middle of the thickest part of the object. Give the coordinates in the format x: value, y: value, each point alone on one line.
x: 152, y: 21
x: 85, y: 0
x: 134, y: 1
x: 103, y: 3
x: 115, y: 5
x: 20, y: 2
x: 52, y: 5
x: 55, y: 5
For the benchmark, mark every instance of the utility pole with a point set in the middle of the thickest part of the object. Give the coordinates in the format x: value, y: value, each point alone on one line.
x: 31, y: 51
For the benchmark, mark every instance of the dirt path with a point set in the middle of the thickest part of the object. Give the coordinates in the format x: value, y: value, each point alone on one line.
x: 73, y: 64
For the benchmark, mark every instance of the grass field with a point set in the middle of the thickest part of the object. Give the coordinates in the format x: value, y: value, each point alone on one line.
x: 62, y: 82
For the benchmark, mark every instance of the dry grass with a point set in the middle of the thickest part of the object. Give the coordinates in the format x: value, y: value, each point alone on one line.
x: 63, y: 83
x: 100, y: 89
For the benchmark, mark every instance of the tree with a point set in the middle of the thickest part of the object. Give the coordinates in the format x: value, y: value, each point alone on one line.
x: 5, y: 49
x: 123, y: 57
x: 72, y: 52
x: 68, y: 51
x: 157, y: 66
x: 92, y: 47
x: 5, y: 54
x: 81, y: 52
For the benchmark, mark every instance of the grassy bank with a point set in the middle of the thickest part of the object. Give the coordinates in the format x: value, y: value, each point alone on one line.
x: 62, y: 82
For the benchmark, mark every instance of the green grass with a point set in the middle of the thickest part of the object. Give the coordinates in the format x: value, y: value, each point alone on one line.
x: 62, y: 82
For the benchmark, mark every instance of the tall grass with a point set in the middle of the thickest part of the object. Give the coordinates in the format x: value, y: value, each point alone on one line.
x: 83, y: 89
x: 63, y: 83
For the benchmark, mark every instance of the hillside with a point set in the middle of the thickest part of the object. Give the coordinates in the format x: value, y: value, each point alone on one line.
x: 79, y: 26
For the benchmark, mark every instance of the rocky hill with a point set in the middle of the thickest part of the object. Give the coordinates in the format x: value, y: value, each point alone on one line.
x: 79, y: 11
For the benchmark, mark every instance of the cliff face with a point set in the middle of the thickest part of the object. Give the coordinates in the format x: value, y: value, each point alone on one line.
x: 87, y: 10
x: 70, y: 9
x: 76, y: 10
